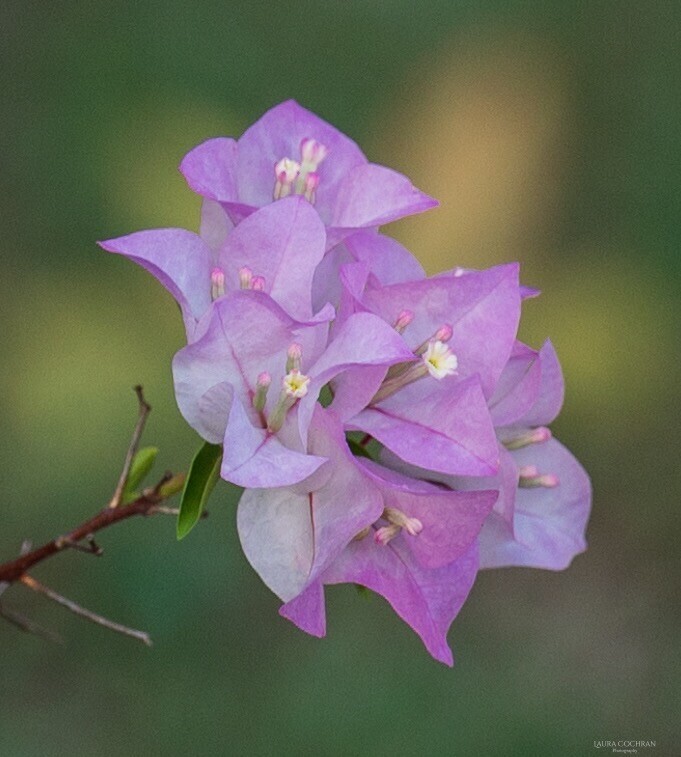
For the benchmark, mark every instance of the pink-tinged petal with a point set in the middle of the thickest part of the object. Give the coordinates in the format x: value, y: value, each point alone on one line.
x: 427, y: 600
x: 354, y: 388
x: 354, y: 278
x: 549, y: 523
x: 253, y: 457
x: 210, y: 169
x: 326, y: 284
x: 307, y: 610
x: 215, y: 225
x: 277, y: 538
x: 284, y: 243
x: 278, y: 134
x: 451, y: 520
x: 518, y: 387
x: 526, y: 293
x: 483, y: 309
x: 448, y: 432
x: 372, y: 195
x: 179, y: 259
x: 347, y: 502
x: 363, y: 340
x: 289, y: 537
x: 529, y: 293
x: 551, y: 392
x: 387, y: 259
x: 505, y: 482
x: 247, y: 333
x: 213, y: 410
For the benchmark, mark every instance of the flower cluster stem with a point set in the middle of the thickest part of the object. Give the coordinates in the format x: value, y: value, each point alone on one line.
x: 150, y: 502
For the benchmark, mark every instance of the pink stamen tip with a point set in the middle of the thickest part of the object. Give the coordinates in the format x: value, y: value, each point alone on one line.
x: 295, y: 351
x: 264, y: 380
x: 528, y: 471
x: 311, y: 182
x: 217, y: 283
x: 312, y: 152
x: 245, y: 277
x: 550, y: 480
x: 286, y: 171
x: 444, y: 333
x: 404, y: 318
x: 541, y: 434
x: 258, y: 284
x: 385, y: 534
x: 413, y: 526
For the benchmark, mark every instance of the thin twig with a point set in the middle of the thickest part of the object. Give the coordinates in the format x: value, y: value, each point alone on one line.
x: 163, y: 510
x: 31, y: 583
x: 174, y: 511
x: 26, y: 545
x: 92, y: 547
x: 148, y: 503
x: 144, y: 410
x: 13, y: 570
x: 27, y: 625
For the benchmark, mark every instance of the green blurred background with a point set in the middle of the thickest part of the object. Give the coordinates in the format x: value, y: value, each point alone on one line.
x: 549, y: 131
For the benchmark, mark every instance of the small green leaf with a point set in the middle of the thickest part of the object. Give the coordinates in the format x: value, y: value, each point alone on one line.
x: 140, y: 467
x: 201, y: 479
x: 172, y: 486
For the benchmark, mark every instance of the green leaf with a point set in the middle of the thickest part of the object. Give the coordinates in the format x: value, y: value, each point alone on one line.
x: 140, y: 467
x: 201, y: 479
x: 173, y: 486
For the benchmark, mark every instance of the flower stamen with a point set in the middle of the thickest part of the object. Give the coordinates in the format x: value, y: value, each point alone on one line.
x: 439, y: 360
x: 300, y: 178
x: 404, y: 318
x: 294, y: 386
x: 286, y: 172
x: 217, y: 283
x: 261, y: 387
x: 530, y: 478
x: 535, y: 436
x: 443, y: 334
x: 245, y: 277
x: 397, y: 521
x: 294, y: 357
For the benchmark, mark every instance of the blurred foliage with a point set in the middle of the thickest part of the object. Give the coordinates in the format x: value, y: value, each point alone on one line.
x: 548, y: 131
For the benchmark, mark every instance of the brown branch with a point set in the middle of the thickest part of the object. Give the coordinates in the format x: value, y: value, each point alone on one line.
x: 92, y: 547
x: 150, y: 502
x: 31, y: 583
x: 144, y: 410
x: 12, y: 571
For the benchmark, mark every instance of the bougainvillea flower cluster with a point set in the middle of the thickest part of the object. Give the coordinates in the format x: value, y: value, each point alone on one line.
x: 388, y: 428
